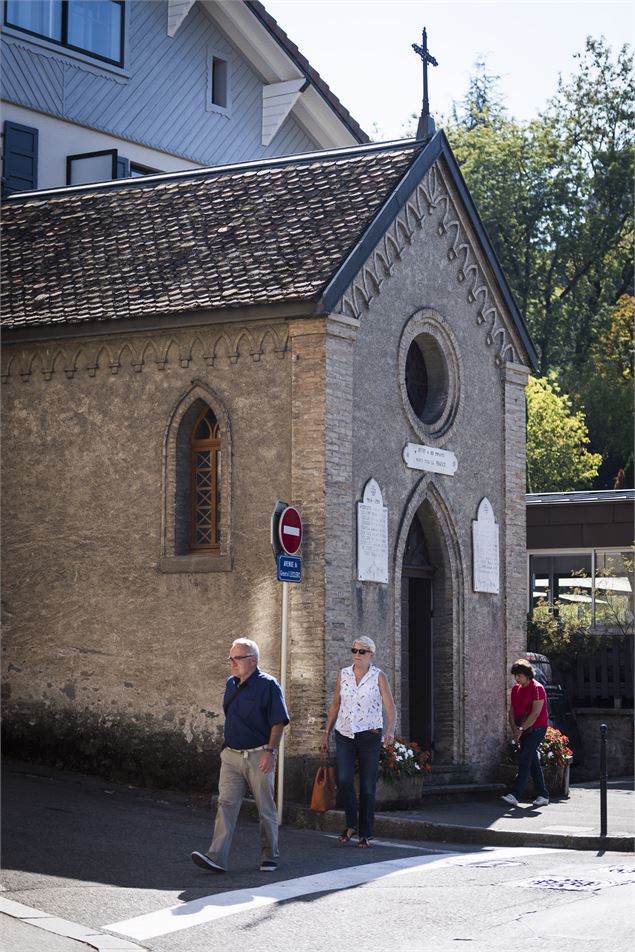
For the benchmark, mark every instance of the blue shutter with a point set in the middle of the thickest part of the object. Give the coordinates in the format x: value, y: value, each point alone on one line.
x: 19, y: 171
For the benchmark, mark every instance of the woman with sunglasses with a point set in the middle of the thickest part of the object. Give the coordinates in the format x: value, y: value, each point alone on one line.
x: 356, y: 714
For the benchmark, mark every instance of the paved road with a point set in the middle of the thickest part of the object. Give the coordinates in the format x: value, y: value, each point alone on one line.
x: 109, y: 861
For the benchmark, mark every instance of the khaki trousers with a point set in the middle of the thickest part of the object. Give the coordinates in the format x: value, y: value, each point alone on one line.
x: 237, y: 773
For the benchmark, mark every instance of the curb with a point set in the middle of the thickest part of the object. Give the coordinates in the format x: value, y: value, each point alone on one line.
x: 296, y: 814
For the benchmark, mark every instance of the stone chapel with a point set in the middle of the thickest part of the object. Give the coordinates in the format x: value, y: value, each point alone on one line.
x: 180, y: 351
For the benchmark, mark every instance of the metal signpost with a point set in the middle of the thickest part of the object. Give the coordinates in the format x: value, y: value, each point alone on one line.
x: 286, y: 539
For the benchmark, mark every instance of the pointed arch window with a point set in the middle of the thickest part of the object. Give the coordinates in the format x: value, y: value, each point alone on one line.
x: 205, y: 462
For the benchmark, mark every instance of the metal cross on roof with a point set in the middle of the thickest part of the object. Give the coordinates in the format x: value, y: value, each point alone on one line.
x: 425, y: 128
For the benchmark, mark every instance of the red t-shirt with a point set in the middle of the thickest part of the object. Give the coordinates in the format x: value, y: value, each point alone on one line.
x: 523, y: 698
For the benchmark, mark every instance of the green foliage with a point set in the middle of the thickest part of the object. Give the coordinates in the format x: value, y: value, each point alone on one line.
x: 556, y: 198
x: 562, y: 640
x: 604, y: 386
x: 557, y: 440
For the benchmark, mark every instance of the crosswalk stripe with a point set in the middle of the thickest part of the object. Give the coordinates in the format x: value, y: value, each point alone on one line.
x: 196, y: 912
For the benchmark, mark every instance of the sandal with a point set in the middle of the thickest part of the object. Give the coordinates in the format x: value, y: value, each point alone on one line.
x: 363, y: 843
x: 345, y: 836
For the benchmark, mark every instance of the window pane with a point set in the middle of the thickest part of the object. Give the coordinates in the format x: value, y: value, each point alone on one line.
x: 571, y: 579
x: 540, y: 587
x: 95, y: 26
x: 43, y: 17
x: 218, y: 497
x: 562, y: 584
x: 219, y: 82
x: 614, y: 590
x: 85, y: 169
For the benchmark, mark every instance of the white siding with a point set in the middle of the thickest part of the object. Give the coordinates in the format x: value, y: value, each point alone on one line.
x: 162, y: 103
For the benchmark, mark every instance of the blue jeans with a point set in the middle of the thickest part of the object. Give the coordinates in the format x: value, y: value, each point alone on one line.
x: 363, y: 747
x: 529, y: 763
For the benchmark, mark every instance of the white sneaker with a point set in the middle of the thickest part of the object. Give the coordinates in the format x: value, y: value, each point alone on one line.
x: 540, y: 802
x: 510, y: 798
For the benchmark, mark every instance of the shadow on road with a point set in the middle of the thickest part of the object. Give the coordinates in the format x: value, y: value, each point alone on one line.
x: 66, y: 825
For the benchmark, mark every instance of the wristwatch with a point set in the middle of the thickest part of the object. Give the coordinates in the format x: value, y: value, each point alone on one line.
x: 269, y: 750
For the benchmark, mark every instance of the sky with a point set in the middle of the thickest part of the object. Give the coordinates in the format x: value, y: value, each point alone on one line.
x: 362, y: 49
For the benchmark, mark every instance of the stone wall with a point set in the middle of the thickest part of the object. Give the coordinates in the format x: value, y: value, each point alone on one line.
x: 619, y: 742
x: 114, y: 647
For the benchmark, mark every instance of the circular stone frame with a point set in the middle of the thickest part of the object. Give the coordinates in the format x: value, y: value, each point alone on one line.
x: 438, y: 348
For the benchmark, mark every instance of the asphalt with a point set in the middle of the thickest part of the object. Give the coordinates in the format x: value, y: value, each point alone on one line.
x: 574, y: 823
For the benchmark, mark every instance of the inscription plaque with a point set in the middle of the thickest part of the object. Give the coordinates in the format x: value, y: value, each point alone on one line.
x: 418, y: 456
x: 372, y: 535
x: 485, y: 549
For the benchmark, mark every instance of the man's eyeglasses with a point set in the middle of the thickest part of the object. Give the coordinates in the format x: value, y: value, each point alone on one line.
x: 239, y: 657
x: 361, y: 650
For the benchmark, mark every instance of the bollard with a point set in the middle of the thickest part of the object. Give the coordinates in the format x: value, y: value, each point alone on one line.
x: 603, y: 779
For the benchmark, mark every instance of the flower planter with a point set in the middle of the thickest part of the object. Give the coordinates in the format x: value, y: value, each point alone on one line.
x: 556, y: 780
x: 401, y: 794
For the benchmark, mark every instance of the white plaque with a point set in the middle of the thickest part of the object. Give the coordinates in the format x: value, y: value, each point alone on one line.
x: 418, y: 456
x: 372, y: 535
x: 485, y: 546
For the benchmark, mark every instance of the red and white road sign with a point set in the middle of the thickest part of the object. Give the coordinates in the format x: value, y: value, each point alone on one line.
x: 290, y: 530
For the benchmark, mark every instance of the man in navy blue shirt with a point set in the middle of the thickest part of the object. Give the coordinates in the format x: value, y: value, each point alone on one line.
x: 255, y: 718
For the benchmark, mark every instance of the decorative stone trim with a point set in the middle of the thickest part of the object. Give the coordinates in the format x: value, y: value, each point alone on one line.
x: 208, y: 347
x: 433, y: 197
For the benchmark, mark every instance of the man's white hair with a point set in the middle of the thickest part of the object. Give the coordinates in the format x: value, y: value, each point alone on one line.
x: 248, y: 643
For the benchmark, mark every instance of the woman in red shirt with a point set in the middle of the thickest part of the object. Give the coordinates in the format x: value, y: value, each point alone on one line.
x: 529, y: 721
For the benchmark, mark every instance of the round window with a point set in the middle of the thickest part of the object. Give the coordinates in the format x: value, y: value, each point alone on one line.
x: 429, y: 376
x: 426, y: 378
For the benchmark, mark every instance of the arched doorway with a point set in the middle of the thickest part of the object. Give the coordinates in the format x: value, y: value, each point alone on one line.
x: 417, y: 654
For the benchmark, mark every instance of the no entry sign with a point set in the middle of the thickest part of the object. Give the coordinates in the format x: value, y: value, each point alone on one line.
x: 290, y: 530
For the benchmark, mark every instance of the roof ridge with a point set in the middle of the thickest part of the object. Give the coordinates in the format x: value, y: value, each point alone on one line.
x: 298, y: 158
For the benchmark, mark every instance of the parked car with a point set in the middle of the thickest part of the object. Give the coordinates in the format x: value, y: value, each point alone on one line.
x: 559, y: 710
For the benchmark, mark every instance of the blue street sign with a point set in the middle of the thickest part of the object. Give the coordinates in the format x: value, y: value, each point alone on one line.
x: 289, y: 568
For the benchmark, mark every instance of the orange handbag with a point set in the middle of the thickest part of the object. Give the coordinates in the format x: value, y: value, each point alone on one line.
x: 323, y: 795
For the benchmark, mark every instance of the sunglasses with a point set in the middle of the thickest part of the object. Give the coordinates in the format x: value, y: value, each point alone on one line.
x: 239, y: 657
x: 361, y: 650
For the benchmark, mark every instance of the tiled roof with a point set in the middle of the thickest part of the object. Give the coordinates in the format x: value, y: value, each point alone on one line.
x: 263, y: 234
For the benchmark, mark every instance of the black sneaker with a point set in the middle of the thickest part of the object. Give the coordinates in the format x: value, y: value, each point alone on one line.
x: 268, y: 866
x: 202, y: 860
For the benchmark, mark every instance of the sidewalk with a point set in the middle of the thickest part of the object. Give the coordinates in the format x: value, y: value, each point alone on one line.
x: 566, y: 824
x: 20, y: 935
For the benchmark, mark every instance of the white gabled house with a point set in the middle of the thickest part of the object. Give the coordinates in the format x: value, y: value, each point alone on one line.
x: 118, y: 88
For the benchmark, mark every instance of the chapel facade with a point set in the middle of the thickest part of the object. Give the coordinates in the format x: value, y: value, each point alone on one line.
x: 181, y: 352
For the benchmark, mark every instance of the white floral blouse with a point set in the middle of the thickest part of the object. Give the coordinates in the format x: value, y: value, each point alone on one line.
x: 360, y: 704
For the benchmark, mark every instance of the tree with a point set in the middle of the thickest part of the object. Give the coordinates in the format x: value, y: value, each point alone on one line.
x: 557, y: 438
x: 604, y: 386
x: 555, y: 196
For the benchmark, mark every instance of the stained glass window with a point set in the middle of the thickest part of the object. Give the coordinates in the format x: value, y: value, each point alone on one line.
x: 206, y: 475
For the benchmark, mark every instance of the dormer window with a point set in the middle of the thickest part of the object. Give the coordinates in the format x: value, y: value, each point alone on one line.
x: 95, y: 27
x: 219, y: 82
x: 219, y: 93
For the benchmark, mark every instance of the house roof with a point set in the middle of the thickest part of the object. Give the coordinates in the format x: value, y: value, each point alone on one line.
x: 608, y: 496
x: 292, y: 230
x: 305, y: 67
